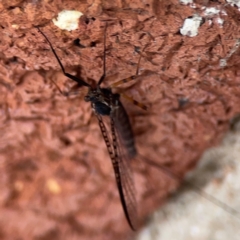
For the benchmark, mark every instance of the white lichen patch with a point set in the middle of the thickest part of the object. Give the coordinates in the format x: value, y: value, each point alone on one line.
x: 67, y: 20
x: 211, y: 11
x: 190, y: 26
x: 234, y: 2
x: 220, y: 21
x: 185, y: 2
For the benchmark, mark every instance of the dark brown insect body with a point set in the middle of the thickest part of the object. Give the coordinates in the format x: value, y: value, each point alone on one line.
x: 104, y: 102
x: 121, y: 145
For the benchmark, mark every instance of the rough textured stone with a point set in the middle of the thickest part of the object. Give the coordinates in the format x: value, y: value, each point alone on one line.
x: 56, y: 176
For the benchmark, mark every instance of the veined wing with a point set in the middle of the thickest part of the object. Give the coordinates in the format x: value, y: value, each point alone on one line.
x: 126, y: 176
x: 124, y: 130
x: 124, y: 149
x: 122, y: 173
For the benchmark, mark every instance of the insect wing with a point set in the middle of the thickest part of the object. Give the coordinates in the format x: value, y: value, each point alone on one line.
x: 128, y: 188
x: 125, y: 151
x: 122, y: 172
x: 124, y: 131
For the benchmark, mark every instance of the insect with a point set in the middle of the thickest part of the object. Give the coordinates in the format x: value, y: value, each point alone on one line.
x: 121, y: 145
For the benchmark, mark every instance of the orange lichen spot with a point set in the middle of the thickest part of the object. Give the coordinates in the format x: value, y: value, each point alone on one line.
x: 53, y: 186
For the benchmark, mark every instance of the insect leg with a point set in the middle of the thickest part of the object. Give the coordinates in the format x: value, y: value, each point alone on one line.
x: 133, y: 101
x: 74, y: 78
x: 125, y: 80
x: 192, y: 186
x: 129, y: 79
x: 73, y: 90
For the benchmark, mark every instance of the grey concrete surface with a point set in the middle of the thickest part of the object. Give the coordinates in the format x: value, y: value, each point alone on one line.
x: 212, y: 213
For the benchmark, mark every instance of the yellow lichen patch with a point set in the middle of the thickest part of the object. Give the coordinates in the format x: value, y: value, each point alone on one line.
x: 53, y: 186
x: 15, y: 26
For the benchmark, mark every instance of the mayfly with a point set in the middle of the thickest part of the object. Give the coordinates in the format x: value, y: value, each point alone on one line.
x: 121, y: 145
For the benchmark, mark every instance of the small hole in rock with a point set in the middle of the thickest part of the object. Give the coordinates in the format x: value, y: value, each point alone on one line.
x: 77, y: 43
x: 93, y: 44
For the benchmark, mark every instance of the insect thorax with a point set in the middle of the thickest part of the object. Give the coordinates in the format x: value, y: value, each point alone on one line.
x: 102, y: 100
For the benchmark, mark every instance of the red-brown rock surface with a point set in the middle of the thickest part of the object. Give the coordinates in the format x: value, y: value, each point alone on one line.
x: 56, y: 177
